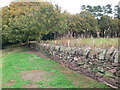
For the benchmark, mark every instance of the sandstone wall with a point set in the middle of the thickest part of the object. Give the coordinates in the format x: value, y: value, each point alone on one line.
x: 100, y: 64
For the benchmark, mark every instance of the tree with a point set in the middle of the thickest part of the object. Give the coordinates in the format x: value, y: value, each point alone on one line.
x: 52, y: 20
x: 19, y: 23
x: 97, y: 11
x: 24, y: 21
x: 116, y: 11
x: 107, y: 9
x: 89, y: 24
x: 109, y: 27
x: 89, y: 8
x: 83, y: 7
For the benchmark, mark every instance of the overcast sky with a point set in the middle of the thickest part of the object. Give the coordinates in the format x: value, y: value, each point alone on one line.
x: 72, y: 6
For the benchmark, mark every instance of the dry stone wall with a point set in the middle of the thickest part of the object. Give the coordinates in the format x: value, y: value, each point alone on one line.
x: 100, y: 64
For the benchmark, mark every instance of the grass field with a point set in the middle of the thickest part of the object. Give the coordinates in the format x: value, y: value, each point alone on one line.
x: 22, y: 68
x: 92, y: 42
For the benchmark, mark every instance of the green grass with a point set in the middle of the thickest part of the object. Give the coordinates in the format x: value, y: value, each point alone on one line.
x: 60, y: 77
x: 95, y: 42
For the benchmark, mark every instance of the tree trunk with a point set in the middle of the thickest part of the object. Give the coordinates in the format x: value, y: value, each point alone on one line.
x: 27, y: 42
x: 98, y: 34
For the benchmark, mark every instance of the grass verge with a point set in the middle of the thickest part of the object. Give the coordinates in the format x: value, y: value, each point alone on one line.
x: 59, y: 77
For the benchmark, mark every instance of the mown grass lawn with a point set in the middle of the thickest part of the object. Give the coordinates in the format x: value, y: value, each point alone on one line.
x: 26, y: 70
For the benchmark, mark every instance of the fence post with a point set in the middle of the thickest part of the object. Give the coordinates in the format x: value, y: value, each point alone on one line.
x: 55, y: 42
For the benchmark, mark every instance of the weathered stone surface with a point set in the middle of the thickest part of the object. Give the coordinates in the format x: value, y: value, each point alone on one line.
x: 90, y: 63
x: 85, y: 66
x: 100, y: 75
x: 62, y: 49
x: 109, y: 53
x: 94, y: 70
x: 92, y: 54
x: 117, y: 74
x: 89, y: 69
x: 113, y: 70
x: 110, y: 80
x: 75, y: 59
x: 80, y: 51
x: 80, y: 63
x: 101, y: 69
x: 115, y: 64
x: 116, y: 57
x: 102, y: 54
x: 97, y: 52
x: 86, y: 61
x: 86, y: 51
x: 108, y: 73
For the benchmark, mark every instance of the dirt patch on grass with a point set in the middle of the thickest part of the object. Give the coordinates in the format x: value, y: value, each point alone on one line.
x: 35, y: 75
x: 9, y: 83
x: 31, y: 86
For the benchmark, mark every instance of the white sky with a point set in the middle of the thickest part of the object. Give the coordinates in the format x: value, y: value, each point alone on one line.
x: 72, y: 6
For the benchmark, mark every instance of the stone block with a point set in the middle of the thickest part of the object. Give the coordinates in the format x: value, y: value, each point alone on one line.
x: 80, y: 63
x: 94, y: 70
x: 75, y: 59
x: 109, y: 74
x: 101, y: 69
x: 86, y: 51
x: 115, y: 64
x: 110, y: 80
x: 85, y: 66
x: 90, y: 62
x: 109, y: 53
x: 102, y: 54
x: 92, y: 54
x: 116, y: 57
x: 117, y: 74
x: 112, y: 70
x: 100, y: 75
